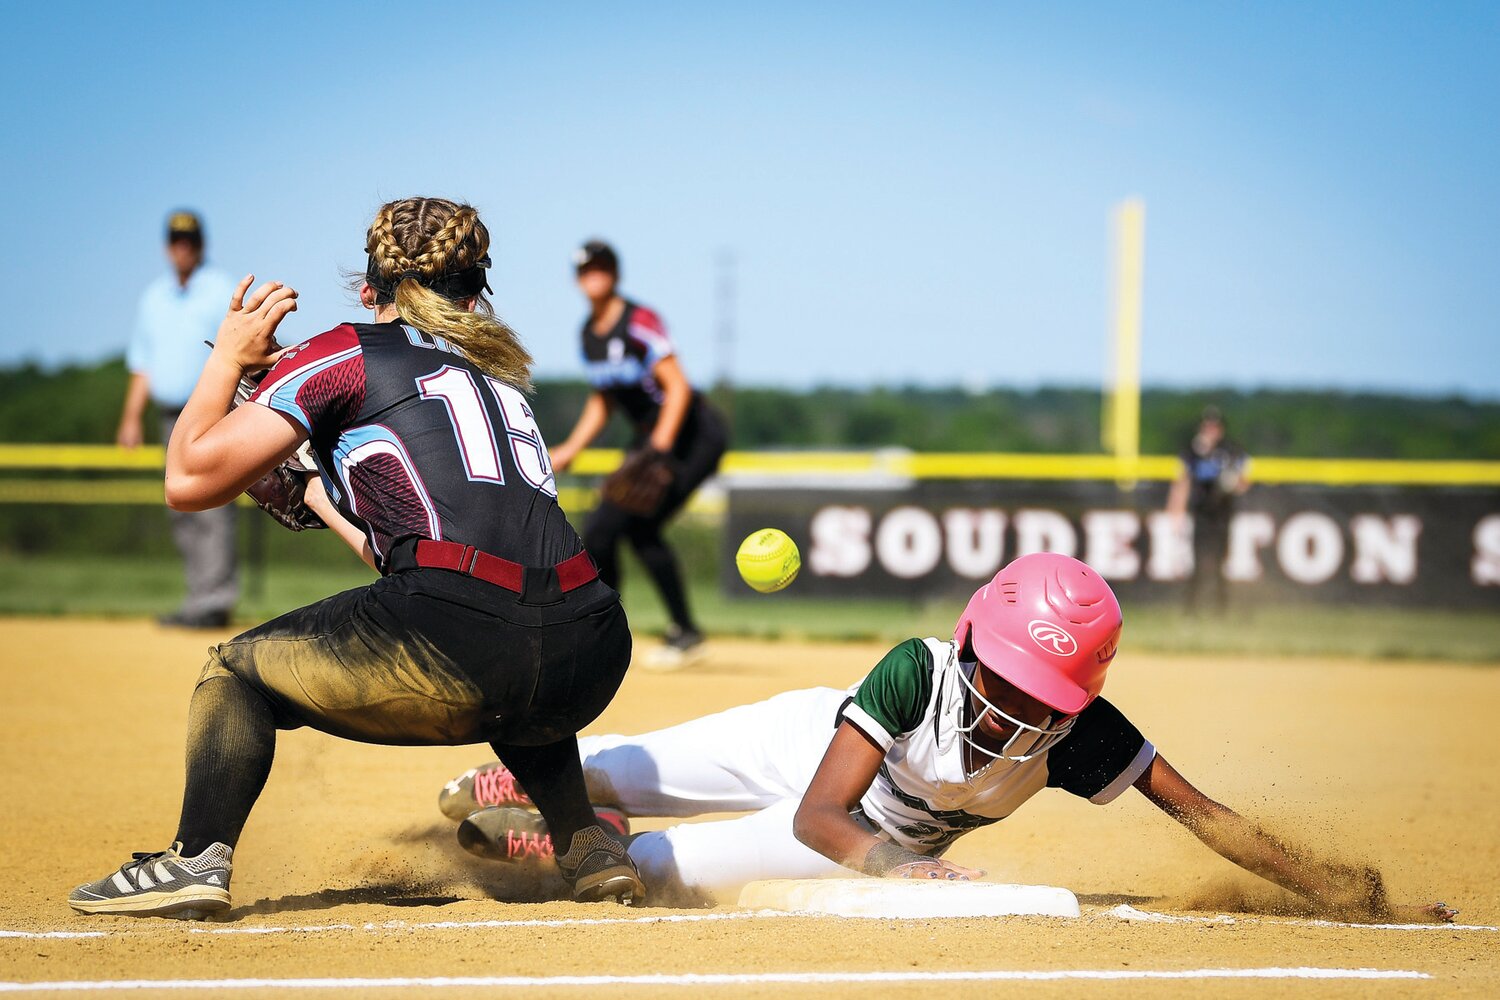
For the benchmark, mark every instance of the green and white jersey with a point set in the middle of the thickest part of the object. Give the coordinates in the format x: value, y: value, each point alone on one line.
x: 912, y: 704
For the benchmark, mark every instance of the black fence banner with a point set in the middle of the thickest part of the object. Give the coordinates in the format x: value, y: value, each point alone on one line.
x: 1431, y: 546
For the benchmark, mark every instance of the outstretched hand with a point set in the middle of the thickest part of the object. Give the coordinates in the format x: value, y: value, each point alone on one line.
x: 1358, y: 892
x: 1429, y: 913
x: 247, y: 336
x: 935, y: 868
x: 1344, y: 891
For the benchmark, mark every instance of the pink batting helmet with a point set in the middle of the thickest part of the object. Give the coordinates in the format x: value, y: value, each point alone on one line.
x: 1047, y: 624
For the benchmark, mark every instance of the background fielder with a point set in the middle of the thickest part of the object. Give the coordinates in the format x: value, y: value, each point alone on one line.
x: 678, y: 437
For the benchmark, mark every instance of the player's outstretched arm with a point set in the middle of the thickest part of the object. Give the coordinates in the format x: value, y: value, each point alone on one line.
x: 678, y: 397
x: 824, y: 824
x: 592, y: 420
x: 1357, y: 891
x: 132, y: 416
x: 215, y: 454
x: 1177, y: 496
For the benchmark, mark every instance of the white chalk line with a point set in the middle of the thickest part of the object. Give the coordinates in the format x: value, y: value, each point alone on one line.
x: 703, y: 979
x: 54, y: 934
x: 1129, y: 913
x: 404, y: 925
x: 1123, y: 912
x: 443, y: 925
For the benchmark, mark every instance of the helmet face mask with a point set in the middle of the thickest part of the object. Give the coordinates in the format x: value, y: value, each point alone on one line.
x: 1026, y: 742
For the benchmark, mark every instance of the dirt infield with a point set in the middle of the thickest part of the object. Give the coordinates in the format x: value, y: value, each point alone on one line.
x: 348, y: 882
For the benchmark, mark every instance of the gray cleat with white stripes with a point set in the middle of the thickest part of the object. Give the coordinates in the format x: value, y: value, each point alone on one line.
x: 163, y: 884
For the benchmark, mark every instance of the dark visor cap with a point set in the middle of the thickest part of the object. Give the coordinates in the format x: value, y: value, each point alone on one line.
x: 596, y: 255
x: 184, y: 226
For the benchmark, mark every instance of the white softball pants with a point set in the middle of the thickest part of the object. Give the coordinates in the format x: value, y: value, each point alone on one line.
x: 752, y: 757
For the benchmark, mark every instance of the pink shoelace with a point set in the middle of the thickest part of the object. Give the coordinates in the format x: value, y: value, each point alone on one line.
x: 519, y: 846
x: 496, y: 786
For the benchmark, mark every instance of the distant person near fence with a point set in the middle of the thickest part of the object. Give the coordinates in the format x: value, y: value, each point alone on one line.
x: 679, y: 439
x: 1215, y: 473
x: 178, y: 312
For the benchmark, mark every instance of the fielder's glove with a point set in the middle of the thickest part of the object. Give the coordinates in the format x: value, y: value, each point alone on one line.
x: 640, y: 484
x: 280, y: 492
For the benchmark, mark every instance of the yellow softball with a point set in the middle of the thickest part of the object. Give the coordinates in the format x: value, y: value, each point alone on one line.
x: 768, y: 560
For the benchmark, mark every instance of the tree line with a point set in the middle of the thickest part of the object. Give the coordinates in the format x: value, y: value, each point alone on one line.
x: 81, y: 404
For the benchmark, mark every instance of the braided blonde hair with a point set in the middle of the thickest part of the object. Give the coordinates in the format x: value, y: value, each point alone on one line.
x: 431, y: 237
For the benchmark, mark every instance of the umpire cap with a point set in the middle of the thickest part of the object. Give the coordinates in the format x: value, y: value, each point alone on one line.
x: 185, y: 225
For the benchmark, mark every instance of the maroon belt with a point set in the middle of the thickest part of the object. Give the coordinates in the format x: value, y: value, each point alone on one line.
x: 466, y: 559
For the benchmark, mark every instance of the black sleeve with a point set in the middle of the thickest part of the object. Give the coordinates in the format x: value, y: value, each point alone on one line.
x: 1103, y: 753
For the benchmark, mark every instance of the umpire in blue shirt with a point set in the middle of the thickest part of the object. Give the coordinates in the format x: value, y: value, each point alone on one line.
x: 178, y: 312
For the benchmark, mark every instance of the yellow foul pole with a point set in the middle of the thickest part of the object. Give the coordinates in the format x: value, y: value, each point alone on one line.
x: 1122, y: 401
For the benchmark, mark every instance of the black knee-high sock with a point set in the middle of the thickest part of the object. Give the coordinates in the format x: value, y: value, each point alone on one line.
x: 231, y: 740
x: 657, y: 556
x: 553, y: 776
x: 601, y: 537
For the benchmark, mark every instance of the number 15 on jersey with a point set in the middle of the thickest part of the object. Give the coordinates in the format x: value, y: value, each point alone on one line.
x: 478, y: 441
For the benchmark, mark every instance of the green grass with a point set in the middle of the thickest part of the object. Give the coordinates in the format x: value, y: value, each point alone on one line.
x: 1368, y: 633
x: 99, y: 586
x: 119, y: 587
x: 1322, y: 630
x: 126, y: 587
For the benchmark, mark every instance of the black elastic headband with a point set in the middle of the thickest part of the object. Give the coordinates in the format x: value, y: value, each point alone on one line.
x: 456, y: 285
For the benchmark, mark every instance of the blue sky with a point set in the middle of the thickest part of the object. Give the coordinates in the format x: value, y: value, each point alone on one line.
x: 911, y: 193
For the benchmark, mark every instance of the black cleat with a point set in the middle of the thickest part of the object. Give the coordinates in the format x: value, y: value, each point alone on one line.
x: 195, y: 619
x: 599, y: 869
x: 680, y: 647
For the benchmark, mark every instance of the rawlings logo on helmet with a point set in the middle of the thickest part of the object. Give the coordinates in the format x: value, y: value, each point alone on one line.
x: 1051, y: 638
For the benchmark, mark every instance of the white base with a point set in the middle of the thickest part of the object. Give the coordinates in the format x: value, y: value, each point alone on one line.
x: 899, y: 898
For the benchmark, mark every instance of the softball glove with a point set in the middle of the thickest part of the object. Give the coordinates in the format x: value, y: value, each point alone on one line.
x: 641, y: 482
x: 280, y: 492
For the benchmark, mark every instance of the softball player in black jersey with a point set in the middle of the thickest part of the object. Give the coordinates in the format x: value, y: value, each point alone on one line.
x: 633, y: 368
x: 489, y: 622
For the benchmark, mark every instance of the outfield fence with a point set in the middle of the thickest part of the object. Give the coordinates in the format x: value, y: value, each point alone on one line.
x: 51, y: 473
x: 892, y: 522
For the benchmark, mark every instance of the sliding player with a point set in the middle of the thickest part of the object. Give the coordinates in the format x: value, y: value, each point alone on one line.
x: 942, y: 737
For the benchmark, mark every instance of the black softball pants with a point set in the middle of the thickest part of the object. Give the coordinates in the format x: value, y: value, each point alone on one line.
x: 420, y: 658
x: 696, y: 457
x: 1210, y: 549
